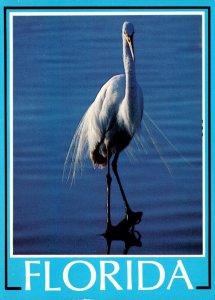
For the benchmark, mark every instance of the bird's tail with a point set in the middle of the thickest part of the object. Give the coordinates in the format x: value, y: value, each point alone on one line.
x: 77, y: 151
x: 164, y: 136
x: 151, y: 133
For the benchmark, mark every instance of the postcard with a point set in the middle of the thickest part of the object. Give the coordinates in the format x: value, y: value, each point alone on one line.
x: 106, y: 174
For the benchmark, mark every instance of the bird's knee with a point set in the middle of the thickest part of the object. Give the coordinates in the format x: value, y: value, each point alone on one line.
x: 114, y: 166
x: 109, y: 178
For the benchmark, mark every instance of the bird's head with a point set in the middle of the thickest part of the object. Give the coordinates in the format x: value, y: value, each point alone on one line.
x: 128, y: 34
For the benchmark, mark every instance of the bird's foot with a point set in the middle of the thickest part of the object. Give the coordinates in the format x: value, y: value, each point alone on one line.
x: 133, y: 218
x: 108, y: 230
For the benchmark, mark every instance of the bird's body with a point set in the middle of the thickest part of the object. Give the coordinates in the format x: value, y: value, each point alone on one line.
x: 111, y: 121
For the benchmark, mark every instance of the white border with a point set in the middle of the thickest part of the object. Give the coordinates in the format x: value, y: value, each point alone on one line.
x: 126, y: 13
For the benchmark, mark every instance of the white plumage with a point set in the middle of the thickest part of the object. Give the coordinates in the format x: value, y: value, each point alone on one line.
x: 112, y: 119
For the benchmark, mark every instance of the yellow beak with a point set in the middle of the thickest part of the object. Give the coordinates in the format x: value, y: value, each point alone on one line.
x: 131, y: 45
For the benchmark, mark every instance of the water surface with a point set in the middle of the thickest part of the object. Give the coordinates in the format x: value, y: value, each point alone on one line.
x: 60, y: 63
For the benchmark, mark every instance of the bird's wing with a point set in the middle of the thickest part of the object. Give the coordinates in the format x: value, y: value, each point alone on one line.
x: 94, y: 124
x: 104, y: 109
x: 77, y: 150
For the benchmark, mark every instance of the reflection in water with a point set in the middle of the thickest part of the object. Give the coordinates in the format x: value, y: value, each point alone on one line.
x: 124, y: 231
x: 54, y: 85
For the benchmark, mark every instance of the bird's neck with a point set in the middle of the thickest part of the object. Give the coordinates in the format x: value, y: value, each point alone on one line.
x: 130, y: 89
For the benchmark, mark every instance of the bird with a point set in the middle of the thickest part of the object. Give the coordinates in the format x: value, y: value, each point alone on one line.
x: 110, y: 123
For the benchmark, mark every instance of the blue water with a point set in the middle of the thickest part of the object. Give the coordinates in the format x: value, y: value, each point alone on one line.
x: 60, y: 63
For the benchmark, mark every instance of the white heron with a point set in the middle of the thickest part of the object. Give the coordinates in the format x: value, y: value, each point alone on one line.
x: 110, y: 123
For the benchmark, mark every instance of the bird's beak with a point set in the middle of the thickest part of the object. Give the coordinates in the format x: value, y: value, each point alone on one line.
x: 131, y: 45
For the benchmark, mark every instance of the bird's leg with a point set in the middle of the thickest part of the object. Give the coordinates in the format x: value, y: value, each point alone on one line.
x: 132, y: 217
x: 109, y: 179
x: 115, y: 170
x: 108, y: 246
